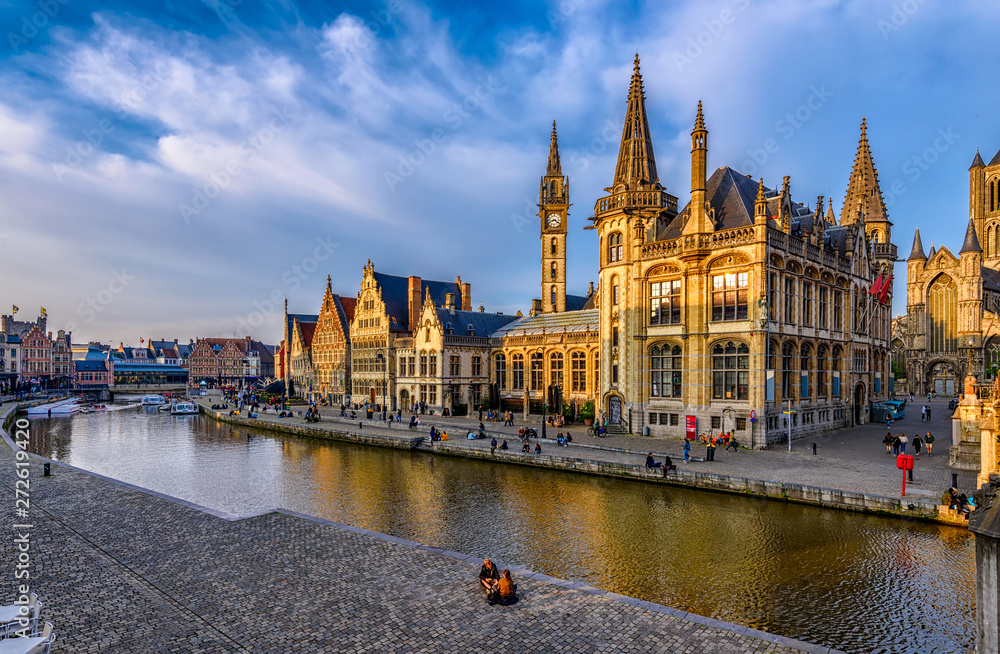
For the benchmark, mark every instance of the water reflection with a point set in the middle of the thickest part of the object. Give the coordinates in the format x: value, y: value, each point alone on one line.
x: 855, y: 582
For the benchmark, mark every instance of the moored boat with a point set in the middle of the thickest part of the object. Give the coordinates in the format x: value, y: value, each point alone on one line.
x: 153, y: 400
x: 183, y: 409
x: 61, y: 408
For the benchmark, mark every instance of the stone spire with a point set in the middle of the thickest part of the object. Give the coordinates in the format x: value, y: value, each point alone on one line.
x: 554, y: 166
x: 971, y: 243
x: 636, y: 167
x: 977, y: 162
x: 863, y: 191
x: 760, y: 204
x: 917, y: 253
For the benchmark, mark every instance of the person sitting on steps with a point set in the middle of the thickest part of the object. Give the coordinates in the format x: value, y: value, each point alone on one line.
x: 488, y: 575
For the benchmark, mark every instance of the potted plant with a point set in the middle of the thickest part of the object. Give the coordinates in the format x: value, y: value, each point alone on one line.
x: 586, y: 413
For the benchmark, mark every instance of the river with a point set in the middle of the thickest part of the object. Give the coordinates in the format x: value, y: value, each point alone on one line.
x: 855, y: 582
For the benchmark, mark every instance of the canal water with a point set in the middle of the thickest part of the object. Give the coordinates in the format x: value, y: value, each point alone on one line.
x: 854, y: 582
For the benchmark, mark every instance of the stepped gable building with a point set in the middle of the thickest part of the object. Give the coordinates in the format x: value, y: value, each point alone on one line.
x: 556, y: 345
x: 740, y: 305
x: 388, y: 309
x: 953, y: 302
x: 444, y: 365
x: 331, y: 347
x: 293, y: 362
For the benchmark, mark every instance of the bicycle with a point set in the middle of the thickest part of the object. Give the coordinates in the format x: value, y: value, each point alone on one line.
x: 596, y: 431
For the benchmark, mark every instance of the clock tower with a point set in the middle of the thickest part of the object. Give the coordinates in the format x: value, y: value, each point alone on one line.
x: 553, y: 209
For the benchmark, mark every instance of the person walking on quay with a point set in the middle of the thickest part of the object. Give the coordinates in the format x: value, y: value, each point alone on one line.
x: 902, y: 443
x: 687, y: 451
x: 733, y: 444
x: 929, y: 442
x: 888, y: 442
x: 916, y: 445
x: 895, y: 445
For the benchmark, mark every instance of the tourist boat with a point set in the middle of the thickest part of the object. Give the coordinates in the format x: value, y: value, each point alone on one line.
x: 184, y: 409
x: 61, y: 408
x: 153, y: 400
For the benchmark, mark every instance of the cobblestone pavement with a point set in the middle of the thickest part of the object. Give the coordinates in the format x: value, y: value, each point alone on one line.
x: 847, y: 459
x: 124, y: 571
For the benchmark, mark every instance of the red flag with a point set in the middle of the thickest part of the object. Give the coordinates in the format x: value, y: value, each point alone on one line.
x: 883, y: 296
x: 876, y: 285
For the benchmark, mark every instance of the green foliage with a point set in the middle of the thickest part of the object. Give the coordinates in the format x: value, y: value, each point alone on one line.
x: 587, y: 410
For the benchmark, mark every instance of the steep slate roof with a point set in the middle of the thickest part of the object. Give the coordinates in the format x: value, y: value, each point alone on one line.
x: 995, y: 159
x: 482, y: 323
x: 304, y: 318
x: 917, y: 253
x: 991, y: 279
x: 395, y: 294
x: 568, y: 321
x: 977, y: 162
x: 636, y: 167
x: 579, y: 302
x: 90, y: 365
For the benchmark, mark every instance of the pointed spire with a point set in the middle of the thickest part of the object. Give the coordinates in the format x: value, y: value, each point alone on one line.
x: 554, y: 166
x: 863, y: 192
x: 930, y: 255
x: 699, y: 121
x: 996, y: 159
x: 971, y: 243
x: 977, y: 162
x: 760, y: 204
x: 636, y: 167
x: 917, y: 253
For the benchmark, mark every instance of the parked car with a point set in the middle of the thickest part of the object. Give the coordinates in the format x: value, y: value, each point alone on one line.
x: 895, y: 409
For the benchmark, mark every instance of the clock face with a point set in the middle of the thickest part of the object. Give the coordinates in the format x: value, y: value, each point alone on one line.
x: 554, y: 219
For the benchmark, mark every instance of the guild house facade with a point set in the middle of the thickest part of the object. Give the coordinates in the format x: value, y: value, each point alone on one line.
x: 743, y: 304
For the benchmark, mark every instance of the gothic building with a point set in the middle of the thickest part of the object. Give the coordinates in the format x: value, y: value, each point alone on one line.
x: 556, y: 345
x: 953, y: 302
x: 741, y: 305
x: 331, y: 347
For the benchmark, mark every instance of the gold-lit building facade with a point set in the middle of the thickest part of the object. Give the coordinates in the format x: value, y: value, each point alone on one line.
x: 742, y: 305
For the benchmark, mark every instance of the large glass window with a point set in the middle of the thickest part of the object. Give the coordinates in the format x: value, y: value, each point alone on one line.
x: 807, y: 303
x: 821, y: 353
x: 433, y: 364
x: 790, y: 301
x: 824, y: 307
x: 838, y: 311
x: 517, y: 371
x: 501, y: 370
x: 787, y: 350
x: 805, y: 353
x: 578, y: 364
x: 537, y: 363
x: 665, y: 371
x: 665, y: 303
x: 423, y: 364
x: 556, y: 369
x: 942, y: 311
x: 731, y: 371
x: 729, y: 296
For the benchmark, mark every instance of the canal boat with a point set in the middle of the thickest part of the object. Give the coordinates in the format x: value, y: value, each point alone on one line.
x: 61, y: 408
x: 184, y: 409
x: 153, y: 400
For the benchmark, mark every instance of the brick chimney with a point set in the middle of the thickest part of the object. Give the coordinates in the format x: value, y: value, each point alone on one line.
x: 466, y: 291
x: 413, y: 302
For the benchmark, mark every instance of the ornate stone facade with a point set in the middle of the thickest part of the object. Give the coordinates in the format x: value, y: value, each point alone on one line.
x: 741, y: 305
x: 953, y: 302
x: 331, y: 347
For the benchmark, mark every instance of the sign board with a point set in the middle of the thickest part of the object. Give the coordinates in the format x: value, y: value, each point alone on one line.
x: 692, y: 427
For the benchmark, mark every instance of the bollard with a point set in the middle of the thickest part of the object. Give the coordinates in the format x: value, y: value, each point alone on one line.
x: 954, y: 480
x: 47, y: 471
x: 910, y: 473
x: 814, y: 449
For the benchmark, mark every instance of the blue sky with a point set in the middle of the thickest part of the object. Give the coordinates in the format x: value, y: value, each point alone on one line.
x: 169, y: 171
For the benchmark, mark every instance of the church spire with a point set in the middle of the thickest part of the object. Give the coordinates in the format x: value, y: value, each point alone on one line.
x: 554, y: 166
x: 917, y: 253
x: 636, y: 167
x: 863, y: 191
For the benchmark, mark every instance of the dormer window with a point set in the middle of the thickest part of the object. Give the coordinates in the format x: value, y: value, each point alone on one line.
x: 448, y: 329
x: 472, y: 330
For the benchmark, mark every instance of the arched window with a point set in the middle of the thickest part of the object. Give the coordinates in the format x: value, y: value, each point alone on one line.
x: 517, y: 372
x: 614, y: 247
x: 552, y: 246
x: 614, y: 291
x: 942, y: 303
x: 731, y: 371
x: 835, y: 370
x: 552, y: 296
x: 552, y: 270
x: 433, y: 367
x: 821, y: 372
x: 992, y: 194
x: 537, y: 371
x: 578, y: 365
x: 423, y: 363
x: 665, y: 371
x: 500, y: 366
x: 556, y: 369
x: 597, y: 370
x: 805, y: 365
x: 787, y: 350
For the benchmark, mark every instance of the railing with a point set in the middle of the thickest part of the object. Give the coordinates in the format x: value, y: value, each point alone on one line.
x: 655, y: 199
x: 661, y: 249
x: 885, y: 248
x: 736, y: 236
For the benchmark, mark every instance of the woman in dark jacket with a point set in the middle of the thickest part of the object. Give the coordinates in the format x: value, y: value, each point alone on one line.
x: 488, y: 574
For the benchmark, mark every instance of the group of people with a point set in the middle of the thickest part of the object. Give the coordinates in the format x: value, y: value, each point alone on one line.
x: 312, y: 414
x: 667, y: 464
x: 500, y: 586
x: 493, y: 445
x: 896, y: 445
x: 958, y: 501
x: 925, y: 414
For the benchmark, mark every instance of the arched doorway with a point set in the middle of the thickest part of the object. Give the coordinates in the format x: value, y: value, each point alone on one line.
x: 859, y: 403
x: 614, y: 410
x: 404, y: 399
